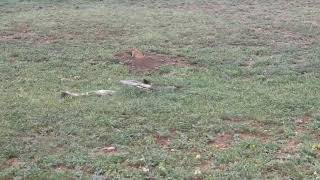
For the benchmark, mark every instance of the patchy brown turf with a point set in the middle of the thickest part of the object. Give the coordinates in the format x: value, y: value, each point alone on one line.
x: 251, y: 50
x: 146, y: 62
x: 14, y: 162
x: 222, y: 141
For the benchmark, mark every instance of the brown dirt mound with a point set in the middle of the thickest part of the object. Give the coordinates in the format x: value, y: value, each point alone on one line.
x: 146, y: 62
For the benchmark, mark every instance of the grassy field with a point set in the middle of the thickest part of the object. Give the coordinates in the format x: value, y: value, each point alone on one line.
x: 248, y: 106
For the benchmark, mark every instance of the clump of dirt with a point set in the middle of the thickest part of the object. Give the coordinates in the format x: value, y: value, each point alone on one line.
x: 146, y: 62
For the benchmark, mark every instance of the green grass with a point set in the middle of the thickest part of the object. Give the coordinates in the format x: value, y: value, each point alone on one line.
x: 255, y: 75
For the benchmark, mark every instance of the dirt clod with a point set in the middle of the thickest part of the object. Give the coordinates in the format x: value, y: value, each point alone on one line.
x: 146, y: 62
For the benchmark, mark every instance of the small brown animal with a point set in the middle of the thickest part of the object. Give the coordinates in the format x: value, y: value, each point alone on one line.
x: 136, y: 54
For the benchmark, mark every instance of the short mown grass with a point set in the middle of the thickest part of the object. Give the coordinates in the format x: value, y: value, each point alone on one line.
x: 248, y: 106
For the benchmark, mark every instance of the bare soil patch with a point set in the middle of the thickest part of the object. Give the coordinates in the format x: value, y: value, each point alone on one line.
x: 14, y: 162
x: 19, y: 31
x: 47, y: 40
x: 146, y: 62
x: 163, y: 141
x: 206, y: 165
x: 291, y: 147
x: 227, y: 140
x: 10, y: 36
x: 222, y: 141
x: 303, y: 122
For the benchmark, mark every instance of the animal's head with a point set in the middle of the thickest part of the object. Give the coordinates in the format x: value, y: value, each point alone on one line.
x: 135, y: 53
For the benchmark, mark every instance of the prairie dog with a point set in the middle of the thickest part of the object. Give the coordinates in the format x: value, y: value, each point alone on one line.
x: 135, y: 53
